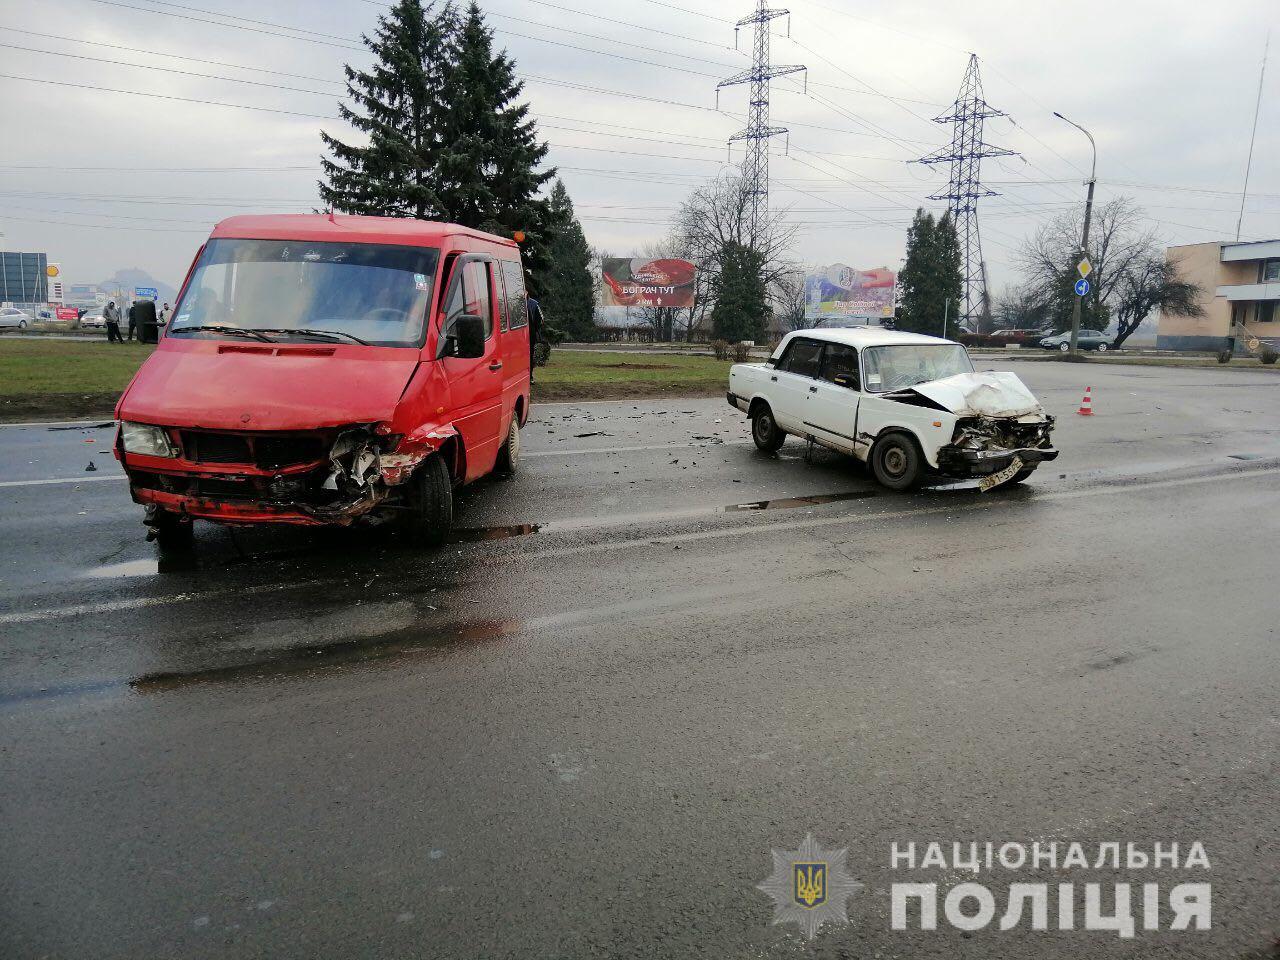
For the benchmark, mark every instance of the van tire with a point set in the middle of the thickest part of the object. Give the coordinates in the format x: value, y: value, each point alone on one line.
x: 431, y: 514
x: 509, y: 455
x: 765, y: 431
x: 174, y: 533
x: 896, y: 461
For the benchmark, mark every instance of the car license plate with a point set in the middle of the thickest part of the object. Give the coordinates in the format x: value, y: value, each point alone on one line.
x: 986, y: 483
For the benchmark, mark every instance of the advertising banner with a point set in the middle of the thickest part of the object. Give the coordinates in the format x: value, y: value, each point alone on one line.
x: 839, y: 292
x: 67, y: 313
x: 639, y: 281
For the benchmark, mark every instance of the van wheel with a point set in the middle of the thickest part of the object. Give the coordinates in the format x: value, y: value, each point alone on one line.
x: 764, y: 430
x: 174, y: 533
x: 509, y: 455
x: 431, y: 514
x: 896, y: 461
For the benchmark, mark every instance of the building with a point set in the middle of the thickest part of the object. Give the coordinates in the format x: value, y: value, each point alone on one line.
x: 24, y: 278
x: 1240, y: 284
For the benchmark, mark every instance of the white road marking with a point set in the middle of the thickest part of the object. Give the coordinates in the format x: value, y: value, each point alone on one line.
x: 636, y: 449
x: 59, y: 423
x: 45, y: 482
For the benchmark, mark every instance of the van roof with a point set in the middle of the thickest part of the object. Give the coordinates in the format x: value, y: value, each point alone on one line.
x: 340, y: 228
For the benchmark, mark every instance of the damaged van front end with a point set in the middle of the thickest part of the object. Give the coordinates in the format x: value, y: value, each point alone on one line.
x: 336, y: 476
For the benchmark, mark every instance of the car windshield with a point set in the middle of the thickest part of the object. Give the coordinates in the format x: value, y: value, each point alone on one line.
x: 353, y: 292
x: 904, y: 365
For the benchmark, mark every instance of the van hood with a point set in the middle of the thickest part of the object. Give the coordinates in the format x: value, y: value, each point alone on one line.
x: 997, y: 394
x: 228, y: 386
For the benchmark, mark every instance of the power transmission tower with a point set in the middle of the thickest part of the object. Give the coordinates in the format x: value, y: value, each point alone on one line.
x: 965, y: 187
x: 755, y: 167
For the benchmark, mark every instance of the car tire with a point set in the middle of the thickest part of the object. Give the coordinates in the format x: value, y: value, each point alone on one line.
x: 174, y: 533
x: 22, y: 324
x: 1064, y: 347
x: 896, y: 461
x: 509, y: 455
x: 1102, y: 348
x: 765, y: 431
x: 431, y: 513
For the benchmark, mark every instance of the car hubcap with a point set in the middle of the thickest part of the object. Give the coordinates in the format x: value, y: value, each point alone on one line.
x: 764, y: 427
x: 895, y: 461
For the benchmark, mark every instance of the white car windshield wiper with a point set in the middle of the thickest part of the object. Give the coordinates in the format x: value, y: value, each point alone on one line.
x: 220, y: 328
x: 310, y: 332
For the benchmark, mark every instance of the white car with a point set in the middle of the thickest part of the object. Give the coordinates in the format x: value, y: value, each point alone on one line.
x: 93, y: 319
x: 907, y: 404
x: 13, y: 317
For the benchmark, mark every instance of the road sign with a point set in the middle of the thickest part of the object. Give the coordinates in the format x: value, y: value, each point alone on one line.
x: 1082, y: 287
x: 1085, y: 267
x: 146, y: 293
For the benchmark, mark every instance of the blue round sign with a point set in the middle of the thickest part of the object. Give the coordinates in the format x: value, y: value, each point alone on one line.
x: 1082, y: 287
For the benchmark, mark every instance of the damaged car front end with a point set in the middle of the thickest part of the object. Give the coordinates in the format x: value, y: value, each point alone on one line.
x: 337, y: 476
x: 982, y: 446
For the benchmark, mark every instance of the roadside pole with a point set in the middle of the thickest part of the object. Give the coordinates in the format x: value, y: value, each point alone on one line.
x: 1082, y: 286
x: 946, y: 308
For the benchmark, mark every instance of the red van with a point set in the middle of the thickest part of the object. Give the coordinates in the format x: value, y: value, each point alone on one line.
x: 324, y: 369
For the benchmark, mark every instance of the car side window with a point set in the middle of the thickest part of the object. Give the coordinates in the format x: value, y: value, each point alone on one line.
x: 802, y: 358
x: 839, y: 358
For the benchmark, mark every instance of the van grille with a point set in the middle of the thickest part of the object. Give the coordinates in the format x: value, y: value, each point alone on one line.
x: 264, y: 451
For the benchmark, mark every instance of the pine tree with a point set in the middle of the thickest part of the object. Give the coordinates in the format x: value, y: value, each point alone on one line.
x: 568, y: 295
x: 931, y: 276
x: 398, y: 105
x: 490, y: 178
x: 741, y: 301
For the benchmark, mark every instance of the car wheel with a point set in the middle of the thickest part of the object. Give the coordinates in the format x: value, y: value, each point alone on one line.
x: 22, y: 324
x: 174, y: 533
x: 1102, y: 348
x: 431, y: 513
x: 1064, y: 347
x: 764, y: 430
x: 896, y: 461
x: 509, y: 455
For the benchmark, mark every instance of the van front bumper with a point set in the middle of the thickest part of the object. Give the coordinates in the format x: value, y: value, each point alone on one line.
x: 964, y: 463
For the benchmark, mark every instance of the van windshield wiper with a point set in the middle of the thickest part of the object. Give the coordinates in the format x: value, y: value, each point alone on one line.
x: 221, y: 328
x: 311, y: 332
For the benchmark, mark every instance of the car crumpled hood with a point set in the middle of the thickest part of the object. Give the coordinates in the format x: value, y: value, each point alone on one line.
x: 207, y: 384
x: 995, y: 394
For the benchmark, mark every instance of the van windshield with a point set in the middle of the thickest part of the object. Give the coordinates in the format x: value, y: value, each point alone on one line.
x: 352, y: 292
x: 903, y: 365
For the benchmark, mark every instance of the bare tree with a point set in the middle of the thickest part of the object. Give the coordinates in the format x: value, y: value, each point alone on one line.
x: 789, y: 296
x: 716, y: 217
x: 1149, y: 284
x: 1118, y: 242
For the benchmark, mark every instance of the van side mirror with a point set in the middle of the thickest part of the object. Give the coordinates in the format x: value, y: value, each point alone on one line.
x: 466, y: 337
x: 849, y: 380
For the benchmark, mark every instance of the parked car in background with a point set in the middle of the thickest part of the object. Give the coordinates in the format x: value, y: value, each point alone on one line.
x: 13, y: 317
x: 93, y: 319
x: 1086, y: 340
x: 906, y: 404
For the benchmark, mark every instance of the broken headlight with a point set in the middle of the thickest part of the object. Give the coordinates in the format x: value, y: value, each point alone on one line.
x: 145, y: 439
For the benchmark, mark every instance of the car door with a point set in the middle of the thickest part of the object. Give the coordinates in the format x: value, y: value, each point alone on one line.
x: 795, y: 373
x: 832, y: 410
x: 475, y: 383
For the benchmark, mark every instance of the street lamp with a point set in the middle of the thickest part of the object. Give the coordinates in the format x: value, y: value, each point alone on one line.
x: 1088, y: 214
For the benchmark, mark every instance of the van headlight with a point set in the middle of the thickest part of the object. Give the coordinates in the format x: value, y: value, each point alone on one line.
x: 148, y: 440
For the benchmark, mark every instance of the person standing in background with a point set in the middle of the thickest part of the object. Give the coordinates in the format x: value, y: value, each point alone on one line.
x: 133, y: 319
x: 163, y: 317
x: 111, y: 314
x: 535, y: 330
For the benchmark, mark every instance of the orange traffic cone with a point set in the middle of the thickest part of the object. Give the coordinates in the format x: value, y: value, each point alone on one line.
x: 1086, y: 404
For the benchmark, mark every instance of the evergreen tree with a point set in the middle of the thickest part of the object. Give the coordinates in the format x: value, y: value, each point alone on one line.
x: 568, y: 294
x: 741, y: 300
x: 397, y: 104
x: 930, y: 277
x: 447, y: 138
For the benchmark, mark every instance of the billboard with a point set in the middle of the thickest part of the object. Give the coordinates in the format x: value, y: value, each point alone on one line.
x: 645, y: 282
x: 838, y: 292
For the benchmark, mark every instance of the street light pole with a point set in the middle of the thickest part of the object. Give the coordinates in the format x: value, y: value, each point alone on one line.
x: 1088, y: 214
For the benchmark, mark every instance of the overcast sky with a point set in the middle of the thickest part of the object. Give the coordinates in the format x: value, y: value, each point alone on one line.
x: 1168, y: 90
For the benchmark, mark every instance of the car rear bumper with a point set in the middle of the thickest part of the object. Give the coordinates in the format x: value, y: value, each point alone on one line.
x: 736, y: 401
x: 955, y: 462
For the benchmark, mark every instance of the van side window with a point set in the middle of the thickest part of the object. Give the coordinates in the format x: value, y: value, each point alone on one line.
x: 517, y: 299
x: 504, y: 306
x: 475, y: 285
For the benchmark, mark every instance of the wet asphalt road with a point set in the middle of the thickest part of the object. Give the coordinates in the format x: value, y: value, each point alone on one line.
x: 653, y: 656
